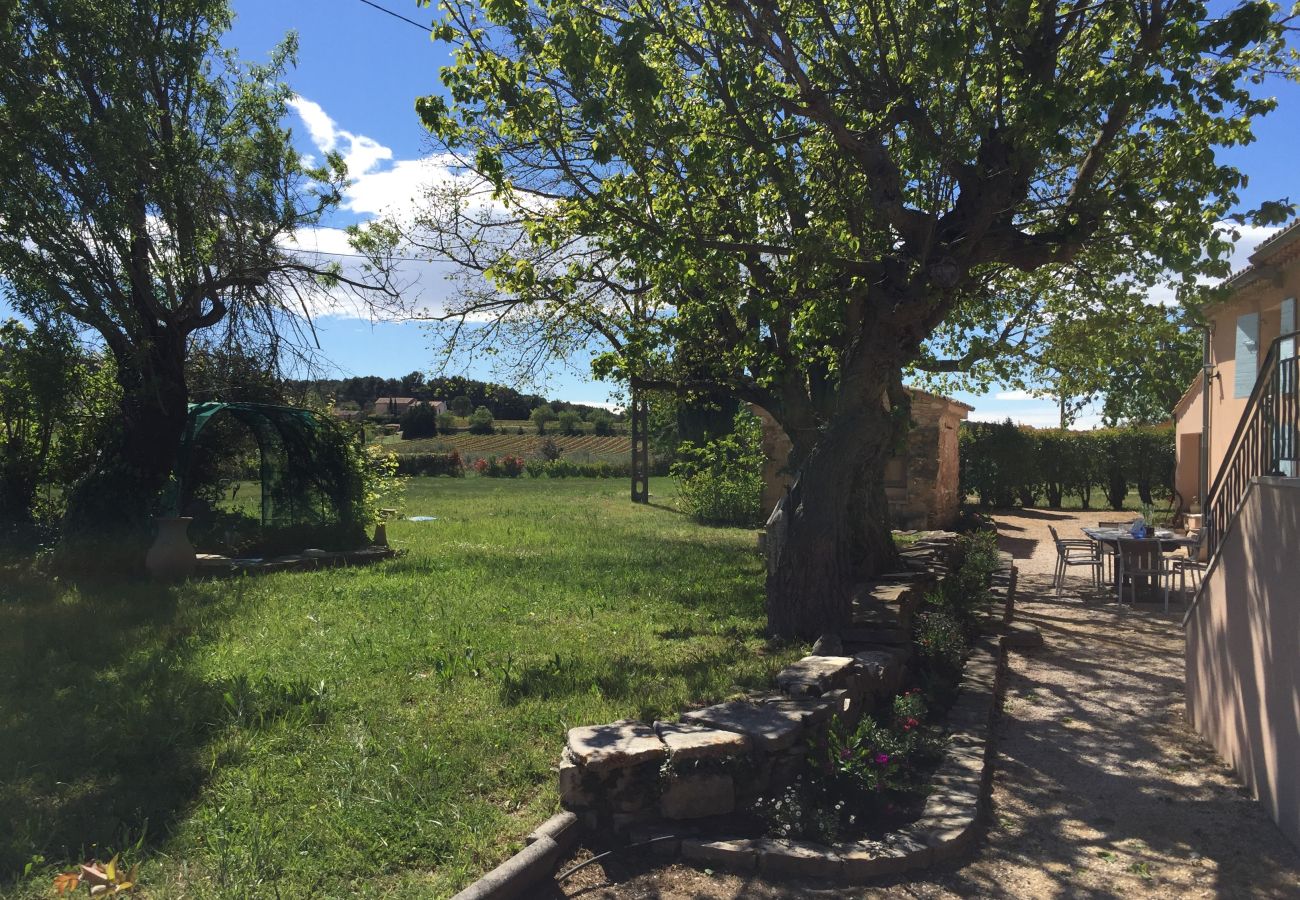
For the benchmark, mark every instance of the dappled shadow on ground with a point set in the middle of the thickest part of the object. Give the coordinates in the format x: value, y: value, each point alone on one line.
x: 104, y: 726
x: 1021, y: 512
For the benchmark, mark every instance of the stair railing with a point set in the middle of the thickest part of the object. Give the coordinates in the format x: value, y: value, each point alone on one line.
x: 1265, y: 442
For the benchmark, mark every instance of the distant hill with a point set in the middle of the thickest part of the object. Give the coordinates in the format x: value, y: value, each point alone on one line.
x: 504, y: 402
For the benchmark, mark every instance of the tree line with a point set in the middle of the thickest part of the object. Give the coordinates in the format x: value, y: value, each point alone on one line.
x: 462, y: 395
x: 1005, y: 464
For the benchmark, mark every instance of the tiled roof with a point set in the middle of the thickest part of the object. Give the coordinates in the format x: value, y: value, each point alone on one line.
x: 1267, y: 248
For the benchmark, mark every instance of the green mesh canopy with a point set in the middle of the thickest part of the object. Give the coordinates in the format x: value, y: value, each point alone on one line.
x: 298, y: 489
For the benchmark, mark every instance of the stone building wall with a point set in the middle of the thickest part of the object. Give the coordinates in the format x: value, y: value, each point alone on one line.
x: 921, y: 483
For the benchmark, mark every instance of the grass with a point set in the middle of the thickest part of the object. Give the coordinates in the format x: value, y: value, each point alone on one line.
x: 387, y: 731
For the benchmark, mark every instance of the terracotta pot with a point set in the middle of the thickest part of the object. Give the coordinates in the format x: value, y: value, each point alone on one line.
x: 171, y: 558
x: 381, y: 535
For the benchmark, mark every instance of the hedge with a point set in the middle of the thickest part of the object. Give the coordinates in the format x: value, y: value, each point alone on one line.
x: 431, y: 464
x: 1005, y: 464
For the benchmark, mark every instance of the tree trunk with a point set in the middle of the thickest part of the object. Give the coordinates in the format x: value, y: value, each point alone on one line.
x: 20, y: 471
x: 109, y: 516
x: 834, y: 529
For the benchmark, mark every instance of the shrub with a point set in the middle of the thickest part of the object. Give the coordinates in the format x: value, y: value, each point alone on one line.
x: 570, y: 422
x: 997, y: 462
x: 480, y: 421
x: 550, y: 450
x: 721, y: 482
x: 940, y: 638
x: 1002, y: 463
x: 505, y: 467
x: 542, y: 416
x: 885, y: 752
x: 419, y: 421
x: 602, y: 423
x: 447, y: 423
x: 449, y: 464
x: 461, y: 405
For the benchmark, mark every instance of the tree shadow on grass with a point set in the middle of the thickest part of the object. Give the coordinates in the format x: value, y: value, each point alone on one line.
x: 107, y: 729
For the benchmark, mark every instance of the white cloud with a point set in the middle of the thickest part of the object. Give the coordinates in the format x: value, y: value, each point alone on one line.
x: 361, y: 153
x: 1014, y: 395
x: 323, y: 130
x: 1250, y: 237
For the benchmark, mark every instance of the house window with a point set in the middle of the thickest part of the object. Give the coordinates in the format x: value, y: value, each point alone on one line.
x: 1247, y: 355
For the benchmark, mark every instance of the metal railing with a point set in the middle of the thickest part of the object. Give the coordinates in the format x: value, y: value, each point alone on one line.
x: 1265, y: 442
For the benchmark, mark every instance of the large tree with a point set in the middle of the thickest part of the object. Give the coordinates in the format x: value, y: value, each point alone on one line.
x: 790, y: 200
x: 148, y: 191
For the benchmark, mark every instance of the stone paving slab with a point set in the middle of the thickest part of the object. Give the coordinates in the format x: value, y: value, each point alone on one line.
x: 686, y: 742
x: 815, y: 675
x: 614, y: 746
x: 768, y: 725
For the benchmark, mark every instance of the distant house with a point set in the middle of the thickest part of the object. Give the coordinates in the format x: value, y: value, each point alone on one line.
x: 395, y: 406
x: 343, y: 412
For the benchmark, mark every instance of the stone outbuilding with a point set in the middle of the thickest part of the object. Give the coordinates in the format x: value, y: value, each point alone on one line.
x: 921, y: 482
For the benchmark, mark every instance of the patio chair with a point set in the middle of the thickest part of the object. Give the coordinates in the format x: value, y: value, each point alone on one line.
x: 1106, y: 550
x: 1191, y: 564
x: 1074, y: 552
x: 1141, y: 559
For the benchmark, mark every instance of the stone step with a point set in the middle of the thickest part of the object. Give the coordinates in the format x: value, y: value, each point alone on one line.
x: 689, y: 742
x: 813, y: 676
x: 617, y: 745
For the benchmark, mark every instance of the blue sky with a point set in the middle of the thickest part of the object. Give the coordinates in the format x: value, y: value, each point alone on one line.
x: 358, y: 76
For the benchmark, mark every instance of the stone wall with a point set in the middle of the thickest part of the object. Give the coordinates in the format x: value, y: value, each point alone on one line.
x: 679, y: 785
x: 921, y: 483
x: 719, y: 759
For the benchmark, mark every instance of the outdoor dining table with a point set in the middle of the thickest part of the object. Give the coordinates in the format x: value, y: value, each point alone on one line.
x: 1146, y: 549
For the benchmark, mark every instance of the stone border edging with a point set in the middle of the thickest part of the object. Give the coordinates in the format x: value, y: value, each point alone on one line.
x: 211, y: 565
x: 544, y: 848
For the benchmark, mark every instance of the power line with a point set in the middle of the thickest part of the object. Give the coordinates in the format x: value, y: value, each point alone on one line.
x: 414, y: 259
x: 397, y: 15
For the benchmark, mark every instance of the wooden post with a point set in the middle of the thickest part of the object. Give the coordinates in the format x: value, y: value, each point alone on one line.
x: 640, y: 448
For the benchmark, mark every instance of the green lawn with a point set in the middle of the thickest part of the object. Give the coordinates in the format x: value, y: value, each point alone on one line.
x: 387, y: 731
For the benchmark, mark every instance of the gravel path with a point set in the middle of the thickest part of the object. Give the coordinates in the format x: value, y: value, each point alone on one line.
x: 1101, y: 789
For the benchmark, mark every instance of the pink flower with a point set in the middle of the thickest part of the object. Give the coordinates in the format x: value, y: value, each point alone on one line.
x: 882, y: 759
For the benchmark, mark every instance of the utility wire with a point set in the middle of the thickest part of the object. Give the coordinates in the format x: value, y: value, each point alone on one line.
x: 414, y: 259
x: 397, y: 15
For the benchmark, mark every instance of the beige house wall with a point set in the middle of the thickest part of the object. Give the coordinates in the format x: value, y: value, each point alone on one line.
x: 921, y: 483
x: 1243, y: 650
x: 1273, y: 277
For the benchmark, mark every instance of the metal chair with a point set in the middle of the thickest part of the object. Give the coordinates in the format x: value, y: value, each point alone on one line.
x: 1106, y: 550
x: 1130, y: 559
x: 1074, y: 553
x: 1191, y: 564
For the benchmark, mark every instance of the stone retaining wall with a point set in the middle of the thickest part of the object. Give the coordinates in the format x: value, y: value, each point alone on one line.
x: 717, y: 760
x: 675, y: 783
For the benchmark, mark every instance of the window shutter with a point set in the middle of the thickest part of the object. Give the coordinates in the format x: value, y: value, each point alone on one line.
x: 1288, y: 441
x: 1247, y: 355
x: 1287, y: 348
